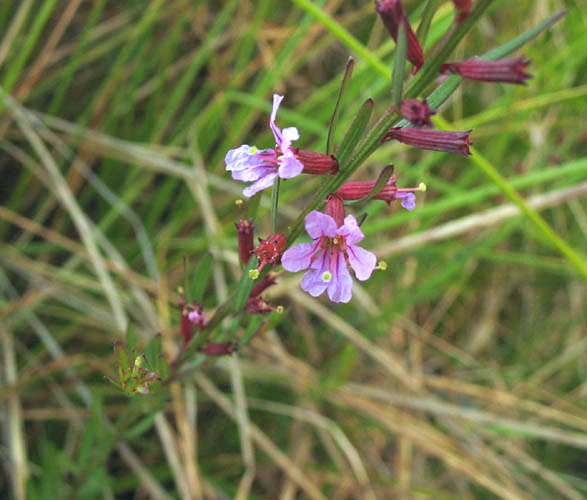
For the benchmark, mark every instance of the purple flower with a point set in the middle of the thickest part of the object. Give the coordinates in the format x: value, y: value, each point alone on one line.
x: 262, y: 166
x: 327, y: 256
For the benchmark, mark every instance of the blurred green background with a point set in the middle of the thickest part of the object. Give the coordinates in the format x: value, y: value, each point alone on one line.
x: 457, y: 373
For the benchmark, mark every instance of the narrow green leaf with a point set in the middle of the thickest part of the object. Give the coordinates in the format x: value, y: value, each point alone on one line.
x: 244, y: 288
x: 348, y: 73
x: 200, y: 278
x: 131, y: 339
x: 399, y: 67
x: 384, y: 176
x: 153, y: 350
x: 355, y: 131
x: 424, y: 26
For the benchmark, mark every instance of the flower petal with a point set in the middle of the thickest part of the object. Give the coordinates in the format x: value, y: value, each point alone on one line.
x: 362, y: 261
x: 408, y: 200
x: 263, y: 183
x: 253, y: 173
x: 242, y: 158
x: 319, y: 224
x: 313, y: 282
x: 340, y: 288
x: 289, y: 166
x: 276, y: 132
x: 299, y: 257
x: 351, y: 230
x: 289, y: 135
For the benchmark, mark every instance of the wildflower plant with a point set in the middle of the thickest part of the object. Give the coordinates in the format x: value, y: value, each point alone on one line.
x: 329, y: 254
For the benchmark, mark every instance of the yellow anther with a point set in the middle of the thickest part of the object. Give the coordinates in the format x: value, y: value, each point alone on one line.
x: 326, y: 276
x: 180, y: 290
x: 138, y: 361
x: 382, y: 265
x: 238, y: 203
x: 422, y: 186
x: 253, y: 274
x: 279, y: 309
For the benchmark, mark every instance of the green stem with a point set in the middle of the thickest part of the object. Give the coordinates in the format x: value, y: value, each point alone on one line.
x: 274, y: 203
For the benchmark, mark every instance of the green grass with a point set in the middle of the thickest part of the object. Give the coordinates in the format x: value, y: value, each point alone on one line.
x: 459, y: 372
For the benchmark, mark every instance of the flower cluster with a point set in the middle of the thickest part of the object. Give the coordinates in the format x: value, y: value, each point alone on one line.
x: 333, y: 251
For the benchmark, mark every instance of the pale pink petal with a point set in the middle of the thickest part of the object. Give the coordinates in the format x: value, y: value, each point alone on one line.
x: 299, y: 257
x: 289, y: 166
x: 260, y: 185
x: 276, y: 132
x: 312, y: 281
x: 289, y: 135
x: 319, y: 224
x: 351, y: 230
x: 362, y: 261
x: 252, y: 174
x: 340, y: 288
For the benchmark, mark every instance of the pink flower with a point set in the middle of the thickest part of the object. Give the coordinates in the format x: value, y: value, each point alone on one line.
x: 248, y: 164
x: 327, y: 256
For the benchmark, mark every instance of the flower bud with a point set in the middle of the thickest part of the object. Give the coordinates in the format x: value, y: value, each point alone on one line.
x: 257, y: 305
x: 500, y: 71
x: 246, y: 243
x: 433, y: 140
x: 392, y: 14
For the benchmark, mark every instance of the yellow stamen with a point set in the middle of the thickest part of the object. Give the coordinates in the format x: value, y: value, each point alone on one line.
x: 326, y: 276
x: 238, y: 203
x: 180, y: 290
x: 253, y: 274
x: 279, y: 309
x: 382, y: 265
x: 422, y: 186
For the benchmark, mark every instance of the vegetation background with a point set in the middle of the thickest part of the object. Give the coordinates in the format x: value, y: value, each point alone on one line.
x: 458, y: 373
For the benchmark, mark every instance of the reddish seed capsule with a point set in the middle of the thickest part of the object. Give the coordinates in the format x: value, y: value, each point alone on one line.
x: 316, y: 163
x: 257, y: 305
x: 417, y: 112
x: 269, y: 250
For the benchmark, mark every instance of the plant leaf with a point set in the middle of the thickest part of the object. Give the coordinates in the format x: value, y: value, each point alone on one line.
x: 346, y: 78
x: 355, y: 131
x: 399, y: 67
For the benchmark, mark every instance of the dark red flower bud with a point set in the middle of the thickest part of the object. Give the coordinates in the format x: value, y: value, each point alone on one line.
x: 220, y: 348
x: 335, y: 208
x: 417, y: 112
x: 317, y: 163
x: 186, y: 327
x: 256, y: 305
x: 392, y: 14
x: 269, y: 250
x: 268, y: 280
x: 463, y: 7
x: 246, y: 244
x: 502, y: 70
x: 434, y: 140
